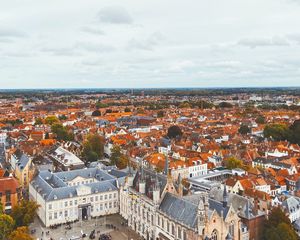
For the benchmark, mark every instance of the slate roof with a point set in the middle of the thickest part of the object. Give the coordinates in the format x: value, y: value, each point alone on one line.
x: 179, y: 209
x: 52, y: 186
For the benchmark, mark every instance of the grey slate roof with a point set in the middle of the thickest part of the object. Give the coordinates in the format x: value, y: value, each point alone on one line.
x: 53, y: 186
x: 179, y: 209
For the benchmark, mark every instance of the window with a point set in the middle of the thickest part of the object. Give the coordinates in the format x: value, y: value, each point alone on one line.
x: 55, y: 215
x: 105, y: 197
x: 110, y: 205
x: 101, y: 207
x: 71, y: 203
x: 66, y: 204
x: 96, y: 198
x: 115, y: 195
x: 101, y: 197
x: 214, y: 235
x: 66, y: 213
x: 184, y: 235
x: 110, y: 195
x: 50, y: 206
x: 115, y: 204
x: 75, y: 202
x: 179, y: 233
x: 92, y: 199
x: 231, y: 228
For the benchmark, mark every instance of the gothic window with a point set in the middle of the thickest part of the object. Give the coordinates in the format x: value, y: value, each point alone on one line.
x: 179, y: 232
x: 173, y: 229
x: 231, y: 228
x: 214, y: 235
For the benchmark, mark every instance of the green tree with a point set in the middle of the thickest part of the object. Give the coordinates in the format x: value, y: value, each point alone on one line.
x: 38, y: 121
x: 295, y: 132
x: 244, y: 129
x: 21, y: 233
x: 260, y: 120
x: 93, y: 148
x: 277, y: 132
x: 24, y: 213
x: 278, y: 226
x: 101, y: 105
x: 160, y: 114
x: 62, y: 117
x: 127, y: 109
x: 62, y: 132
x: 96, y: 113
x: 6, y: 226
x: 174, y: 132
x: 233, y: 162
x: 51, y: 120
x: 225, y: 105
x: 115, y: 154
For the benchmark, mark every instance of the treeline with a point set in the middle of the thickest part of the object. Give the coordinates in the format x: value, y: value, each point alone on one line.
x: 282, y: 132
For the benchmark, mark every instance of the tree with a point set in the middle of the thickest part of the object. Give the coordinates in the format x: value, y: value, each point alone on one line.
x: 295, y: 132
x: 6, y: 225
x: 277, y: 131
x: 127, y: 109
x: 21, y: 233
x: 93, y: 148
x: 115, y: 154
x: 174, y: 132
x: 51, y: 120
x: 108, y: 111
x: 160, y: 114
x: 96, y: 113
x: 244, y: 129
x: 225, y: 105
x: 122, y: 162
x: 278, y: 226
x: 38, y: 121
x: 62, y: 117
x: 24, y: 213
x: 61, y: 132
x: 260, y: 120
x: 101, y: 105
x: 233, y: 162
x: 184, y: 105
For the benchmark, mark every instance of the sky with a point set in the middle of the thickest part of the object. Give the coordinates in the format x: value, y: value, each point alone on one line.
x: 149, y: 43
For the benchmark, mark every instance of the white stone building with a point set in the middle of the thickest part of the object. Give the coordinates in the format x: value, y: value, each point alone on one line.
x: 75, y: 195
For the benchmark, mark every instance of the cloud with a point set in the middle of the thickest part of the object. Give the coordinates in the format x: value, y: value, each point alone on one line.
x: 9, y: 33
x: 115, y: 15
x: 92, y: 30
x: 263, y: 42
x: 146, y: 44
x: 94, y: 47
x: 294, y: 37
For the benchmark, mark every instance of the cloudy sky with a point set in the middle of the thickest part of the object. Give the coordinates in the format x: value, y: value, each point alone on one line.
x: 149, y: 43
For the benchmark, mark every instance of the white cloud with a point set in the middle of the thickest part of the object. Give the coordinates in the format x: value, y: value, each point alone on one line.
x: 115, y: 15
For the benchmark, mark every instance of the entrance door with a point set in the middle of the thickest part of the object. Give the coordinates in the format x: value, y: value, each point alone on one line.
x: 84, y: 213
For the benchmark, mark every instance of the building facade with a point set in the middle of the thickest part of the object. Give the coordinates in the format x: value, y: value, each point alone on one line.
x: 75, y: 195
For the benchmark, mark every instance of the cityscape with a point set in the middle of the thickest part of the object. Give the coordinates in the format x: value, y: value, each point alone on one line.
x: 150, y: 120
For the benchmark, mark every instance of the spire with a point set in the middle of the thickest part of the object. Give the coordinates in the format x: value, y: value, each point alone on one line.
x: 156, y: 184
x: 142, y: 170
x: 166, y: 170
x: 225, y: 197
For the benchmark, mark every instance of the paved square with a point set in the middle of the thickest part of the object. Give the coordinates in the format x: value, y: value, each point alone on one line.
x: 99, y: 225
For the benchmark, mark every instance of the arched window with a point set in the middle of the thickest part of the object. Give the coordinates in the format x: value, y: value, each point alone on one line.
x: 231, y: 228
x: 214, y: 235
